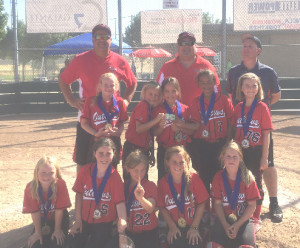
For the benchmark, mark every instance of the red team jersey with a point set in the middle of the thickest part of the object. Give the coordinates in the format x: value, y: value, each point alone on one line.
x: 89, y: 67
x: 140, y: 114
x: 96, y: 117
x: 139, y: 220
x: 218, y: 120
x: 261, y: 121
x: 187, y: 76
x: 61, y: 201
x: 246, y: 194
x: 112, y: 195
x: 167, y: 137
x: 165, y: 198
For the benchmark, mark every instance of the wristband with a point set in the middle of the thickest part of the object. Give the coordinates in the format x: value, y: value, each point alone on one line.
x: 194, y: 227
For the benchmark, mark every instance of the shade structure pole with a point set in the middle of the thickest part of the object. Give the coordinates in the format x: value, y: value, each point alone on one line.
x: 224, y: 41
x: 16, y: 46
x: 120, y: 26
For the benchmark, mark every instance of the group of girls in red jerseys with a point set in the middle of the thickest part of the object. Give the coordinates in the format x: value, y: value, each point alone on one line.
x: 196, y: 159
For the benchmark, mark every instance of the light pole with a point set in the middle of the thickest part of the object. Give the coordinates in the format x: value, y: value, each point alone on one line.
x: 16, y: 47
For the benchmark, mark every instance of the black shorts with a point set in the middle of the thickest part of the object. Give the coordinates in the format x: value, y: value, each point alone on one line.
x: 47, y: 241
x: 94, y: 234
x: 145, y: 239
x: 82, y: 144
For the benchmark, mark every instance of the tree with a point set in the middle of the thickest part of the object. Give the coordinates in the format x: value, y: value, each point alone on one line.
x: 133, y: 32
x: 31, y: 45
x: 3, y: 20
x: 208, y: 18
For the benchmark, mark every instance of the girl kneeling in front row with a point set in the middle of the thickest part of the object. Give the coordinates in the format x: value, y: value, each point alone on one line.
x: 141, y: 198
x: 99, y: 200
x: 181, y: 199
x: 234, y: 193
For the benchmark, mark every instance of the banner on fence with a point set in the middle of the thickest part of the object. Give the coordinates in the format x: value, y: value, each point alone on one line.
x: 60, y: 16
x: 259, y: 15
x: 163, y: 26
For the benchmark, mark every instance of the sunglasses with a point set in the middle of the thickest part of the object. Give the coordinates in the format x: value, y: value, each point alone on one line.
x: 186, y: 43
x: 102, y: 37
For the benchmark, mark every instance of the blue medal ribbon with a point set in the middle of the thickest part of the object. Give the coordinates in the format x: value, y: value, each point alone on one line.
x: 98, y: 192
x: 169, y: 110
x: 129, y: 198
x: 47, y: 205
x: 206, y: 114
x: 109, y: 116
x: 232, y: 196
x: 249, y: 116
x: 179, y: 203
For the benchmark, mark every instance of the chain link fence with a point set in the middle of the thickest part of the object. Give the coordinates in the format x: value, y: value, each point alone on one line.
x: 159, y: 29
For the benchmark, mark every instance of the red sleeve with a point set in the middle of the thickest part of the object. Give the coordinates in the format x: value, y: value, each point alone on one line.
x: 141, y: 113
x: 80, y: 179
x: 252, y: 193
x: 30, y: 205
x: 62, y: 195
x: 123, y: 115
x: 187, y: 113
x: 266, y: 124
x: 71, y: 72
x: 194, y: 110
x: 236, y: 114
x: 117, y: 189
x: 155, y: 112
x: 161, y: 192
x: 199, y: 189
x: 151, y: 190
x: 216, y: 190
x: 86, y: 113
x: 228, y: 107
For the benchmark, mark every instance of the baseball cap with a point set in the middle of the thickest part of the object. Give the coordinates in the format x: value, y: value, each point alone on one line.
x: 252, y: 37
x: 185, y: 35
x: 101, y: 27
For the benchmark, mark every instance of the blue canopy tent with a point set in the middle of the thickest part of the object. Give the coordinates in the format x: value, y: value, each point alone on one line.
x: 80, y: 44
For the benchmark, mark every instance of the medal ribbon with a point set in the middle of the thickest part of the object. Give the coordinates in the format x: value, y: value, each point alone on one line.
x: 109, y: 116
x: 249, y: 116
x: 129, y: 198
x: 206, y: 114
x: 98, y: 192
x: 46, y: 206
x: 169, y: 110
x: 232, y: 196
x: 179, y: 204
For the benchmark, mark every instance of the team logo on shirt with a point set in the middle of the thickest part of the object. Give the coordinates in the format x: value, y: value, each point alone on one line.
x: 43, y: 207
x: 253, y: 123
x: 100, y: 118
x: 88, y: 194
x: 170, y: 203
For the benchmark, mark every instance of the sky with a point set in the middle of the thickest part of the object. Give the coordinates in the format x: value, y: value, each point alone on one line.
x: 132, y: 7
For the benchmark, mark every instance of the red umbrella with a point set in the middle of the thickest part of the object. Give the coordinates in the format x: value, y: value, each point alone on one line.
x: 205, y: 51
x: 151, y: 52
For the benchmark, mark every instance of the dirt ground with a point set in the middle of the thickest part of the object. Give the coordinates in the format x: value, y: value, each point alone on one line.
x: 25, y: 138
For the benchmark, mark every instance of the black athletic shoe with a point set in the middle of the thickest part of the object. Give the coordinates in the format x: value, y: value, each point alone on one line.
x: 275, y: 213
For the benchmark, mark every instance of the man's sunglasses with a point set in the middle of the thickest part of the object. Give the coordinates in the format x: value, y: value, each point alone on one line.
x: 102, y: 36
x: 186, y: 43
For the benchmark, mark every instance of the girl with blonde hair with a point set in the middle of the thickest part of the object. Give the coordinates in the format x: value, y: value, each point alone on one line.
x: 46, y: 197
x: 181, y: 199
x: 234, y: 194
x: 104, y: 115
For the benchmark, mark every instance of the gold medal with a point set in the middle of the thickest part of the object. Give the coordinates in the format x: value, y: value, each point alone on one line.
x: 245, y: 143
x: 231, y: 219
x: 108, y: 126
x: 205, y: 133
x: 181, y: 222
x: 46, y: 230
x: 97, y: 214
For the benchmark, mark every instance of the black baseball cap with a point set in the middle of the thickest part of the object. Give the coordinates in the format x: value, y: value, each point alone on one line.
x: 101, y: 27
x: 252, y: 37
x: 185, y: 35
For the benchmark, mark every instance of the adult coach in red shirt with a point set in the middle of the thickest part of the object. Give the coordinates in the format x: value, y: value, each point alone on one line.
x: 185, y: 67
x: 88, y: 67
